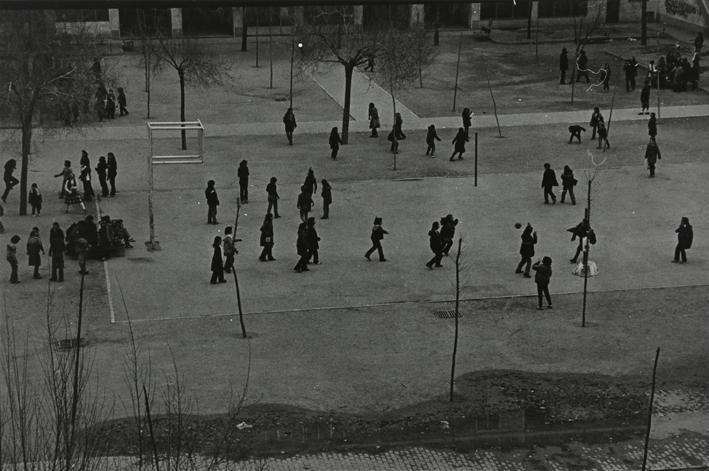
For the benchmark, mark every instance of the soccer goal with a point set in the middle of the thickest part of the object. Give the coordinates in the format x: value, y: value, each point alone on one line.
x: 171, y: 126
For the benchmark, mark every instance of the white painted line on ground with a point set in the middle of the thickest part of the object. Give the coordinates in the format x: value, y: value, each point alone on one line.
x: 394, y: 303
x: 111, y: 311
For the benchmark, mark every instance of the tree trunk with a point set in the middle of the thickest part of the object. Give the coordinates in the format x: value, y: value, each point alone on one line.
x: 26, y: 146
x: 182, y: 107
x: 244, y: 33
x: 529, y: 20
x: 270, y: 50
x: 146, y: 54
x: 349, y: 67
x: 573, y: 75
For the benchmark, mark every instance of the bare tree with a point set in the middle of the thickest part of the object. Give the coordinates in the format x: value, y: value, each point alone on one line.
x: 147, y: 51
x: 44, y: 72
x: 398, y: 64
x: 422, y: 49
x: 457, y: 316
x: 332, y: 38
x: 196, y: 64
x: 46, y: 421
x: 582, y: 32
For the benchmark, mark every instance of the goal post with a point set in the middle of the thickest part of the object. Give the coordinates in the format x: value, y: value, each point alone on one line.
x: 182, y: 126
x: 153, y: 159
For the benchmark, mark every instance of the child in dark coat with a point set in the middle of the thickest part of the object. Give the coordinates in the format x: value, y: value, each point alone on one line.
x: 467, y: 120
x: 549, y: 181
x: 431, y: 138
x: 526, y: 250
x: 212, y: 202
x: 685, y: 236
x: 568, y: 182
x: 394, y: 148
x: 326, y: 199
x: 313, y: 241
x: 652, y: 154
x: 436, y: 245
x: 542, y: 278
x: 459, y: 142
x: 376, y: 238
x: 301, y: 245
x: 57, y: 247
x: 217, y: 263
x: 289, y: 124
x: 35, y: 200
x: 122, y: 102
x: 243, y: 174
x: 34, y: 247
x: 102, y: 172
x: 374, y: 123
x: 335, y: 142
x: 266, y: 239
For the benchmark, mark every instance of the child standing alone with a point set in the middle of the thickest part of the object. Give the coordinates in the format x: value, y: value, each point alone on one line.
x: 35, y: 199
x: 542, y: 278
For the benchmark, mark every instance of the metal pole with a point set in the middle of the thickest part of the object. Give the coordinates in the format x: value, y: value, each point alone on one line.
x: 476, y: 158
x: 643, y: 23
x: 457, y: 68
x: 649, y: 411
x: 151, y: 219
x: 292, y: 54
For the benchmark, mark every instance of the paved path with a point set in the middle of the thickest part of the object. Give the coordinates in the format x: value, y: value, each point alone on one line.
x: 364, y: 91
x: 98, y: 133
x: 330, y: 78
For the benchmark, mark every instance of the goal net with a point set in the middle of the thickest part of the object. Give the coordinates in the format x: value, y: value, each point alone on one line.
x: 162, y: 146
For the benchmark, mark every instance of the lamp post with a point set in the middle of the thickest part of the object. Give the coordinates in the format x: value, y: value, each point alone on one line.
x: 292, y: 54
x: 292, y: 57
x: 643, y: 23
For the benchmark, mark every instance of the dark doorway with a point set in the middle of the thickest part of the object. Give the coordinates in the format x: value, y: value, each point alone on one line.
x: 448, y: 14
x: 134, y: 22
x: 201, y: 21
x: 612, y: 11
x: 504, y: 10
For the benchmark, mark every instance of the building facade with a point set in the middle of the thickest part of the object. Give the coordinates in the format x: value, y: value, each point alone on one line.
x: 227, y: 21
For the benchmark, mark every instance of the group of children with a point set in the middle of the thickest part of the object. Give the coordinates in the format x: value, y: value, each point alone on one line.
x: 107, y: 169
x: 105, y: 105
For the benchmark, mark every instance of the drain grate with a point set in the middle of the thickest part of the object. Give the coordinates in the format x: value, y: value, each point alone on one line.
x: 449, y: 314
x: 69, y: 344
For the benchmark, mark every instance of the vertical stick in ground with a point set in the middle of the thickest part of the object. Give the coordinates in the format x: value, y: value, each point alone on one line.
x: 236, y: 278
x: 649, y: 410
x: 457, y: 314
x: 494, y: 104
x: 150, y: 429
